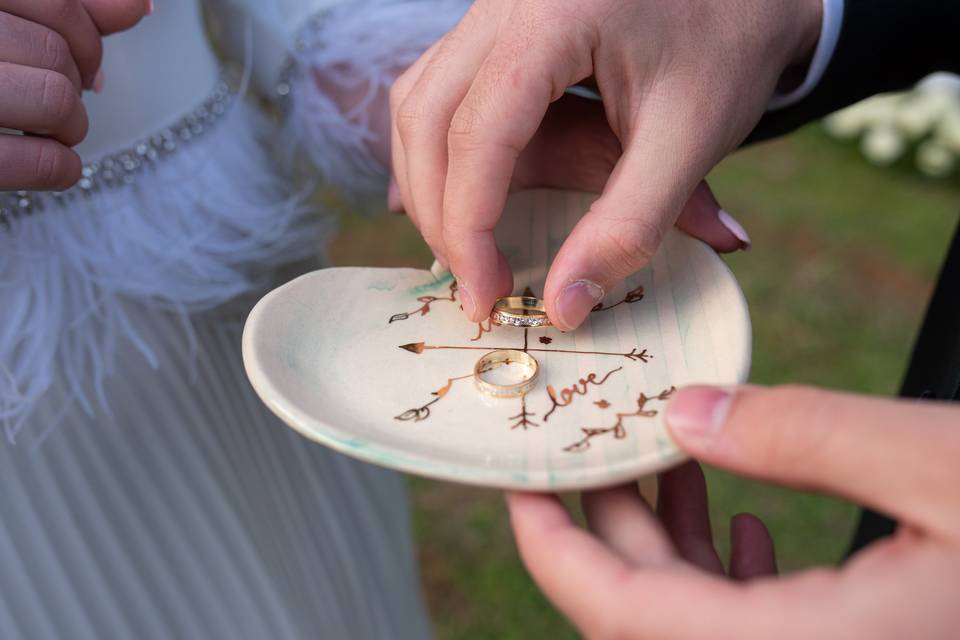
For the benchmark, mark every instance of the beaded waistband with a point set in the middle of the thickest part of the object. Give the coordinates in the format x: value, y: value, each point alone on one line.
x: 122, y: 167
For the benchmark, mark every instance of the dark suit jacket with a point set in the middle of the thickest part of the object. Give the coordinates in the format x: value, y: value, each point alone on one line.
x: 887, y: 45
x: 884, y: 45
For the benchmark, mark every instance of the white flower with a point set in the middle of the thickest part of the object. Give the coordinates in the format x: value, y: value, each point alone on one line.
x: 883, y: 145
x: 935, y: 160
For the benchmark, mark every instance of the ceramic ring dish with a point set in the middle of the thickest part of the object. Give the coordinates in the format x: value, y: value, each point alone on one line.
x: 378, y: 363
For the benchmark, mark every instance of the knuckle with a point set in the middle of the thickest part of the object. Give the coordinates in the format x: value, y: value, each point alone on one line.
x: 456, y: 238
x: 628, y: 244
x: 409, y: 118
x: 50, y: 167
x: 55, y: 52
x: 467, y: 134
x: 64, y: 9
x: 406, y: 120
x: 465, y: 125
x: 57, y: 97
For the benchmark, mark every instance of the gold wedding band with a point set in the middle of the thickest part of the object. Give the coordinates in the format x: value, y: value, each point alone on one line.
x: 520, y: 311
x: 500, y: 358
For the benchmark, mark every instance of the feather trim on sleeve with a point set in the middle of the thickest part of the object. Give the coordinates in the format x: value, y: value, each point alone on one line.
x: 357, y: 49
x: 182, y: 223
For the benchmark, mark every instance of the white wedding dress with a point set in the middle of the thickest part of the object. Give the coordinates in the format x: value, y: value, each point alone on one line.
x: 145, y: 492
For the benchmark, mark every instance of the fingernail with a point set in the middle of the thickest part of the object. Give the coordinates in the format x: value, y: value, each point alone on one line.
x: 98, y: 81
x: 735, y: 228
x: 699, y: 412
x: 394, y: 203
x: 150, y: 7
x: 466, y: 299
x: 576, y: 301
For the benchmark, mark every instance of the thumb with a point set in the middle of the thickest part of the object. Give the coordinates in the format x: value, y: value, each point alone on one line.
x: 653, y: 179
x: 112, y: 16
x: 896, y: 456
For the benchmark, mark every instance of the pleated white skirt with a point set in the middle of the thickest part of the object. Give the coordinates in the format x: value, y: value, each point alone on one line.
x: 189, y: 511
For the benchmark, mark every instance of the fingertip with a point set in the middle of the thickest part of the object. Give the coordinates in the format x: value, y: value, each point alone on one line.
x: 752, y: 552
x: 112, y: 16
x: 531, y: 512
x: 574, y: 303
x: 70, y: 171
x: 696, y: 415
x: 749, y: 525
x: 703, y: 218
x: 736, y: 229
x: 480, y: 286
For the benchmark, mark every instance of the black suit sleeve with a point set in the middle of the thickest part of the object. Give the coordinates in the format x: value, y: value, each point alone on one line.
x: 884, y: 45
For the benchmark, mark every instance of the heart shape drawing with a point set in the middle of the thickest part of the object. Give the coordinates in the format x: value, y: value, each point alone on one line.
x: 378, y: 363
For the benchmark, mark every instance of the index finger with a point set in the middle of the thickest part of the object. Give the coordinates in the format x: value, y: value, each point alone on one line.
x: 498, y: 117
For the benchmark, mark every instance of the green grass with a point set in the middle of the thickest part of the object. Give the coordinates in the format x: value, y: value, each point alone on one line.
x: 844, y: 259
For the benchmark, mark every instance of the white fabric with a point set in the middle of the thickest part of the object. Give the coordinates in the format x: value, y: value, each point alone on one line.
x: 188, y: 511
x: 150, y: 78
x: 356, y: 50
x: 149, y: 494
x: 829, y: 36
x: 272, y: 26
x: 208, y: 224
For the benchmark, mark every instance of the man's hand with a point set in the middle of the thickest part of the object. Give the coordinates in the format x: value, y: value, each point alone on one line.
x: 637, y: 577
x: 50, y: 51
x: 683, y: 84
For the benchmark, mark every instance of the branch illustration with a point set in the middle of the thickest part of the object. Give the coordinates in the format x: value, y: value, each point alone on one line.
x: 523, y: 418
x: 482, y: 330
x: 618, y: 430
x: 635, y: 295
x: 422, y: 413
x: 426, y: 301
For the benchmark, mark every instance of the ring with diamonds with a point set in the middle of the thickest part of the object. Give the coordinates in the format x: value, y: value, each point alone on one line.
x: 506, y: 357
x: 520, y: 311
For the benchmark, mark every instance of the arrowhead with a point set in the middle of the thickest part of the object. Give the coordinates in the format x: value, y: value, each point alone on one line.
x: 413, y: 347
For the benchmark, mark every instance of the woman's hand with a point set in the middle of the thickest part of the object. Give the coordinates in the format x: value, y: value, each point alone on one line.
x: 50, y: 51
x: 636, y: 577
x: 683, y: 84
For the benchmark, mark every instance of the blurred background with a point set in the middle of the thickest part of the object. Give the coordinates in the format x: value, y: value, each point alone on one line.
x: 850, y: 220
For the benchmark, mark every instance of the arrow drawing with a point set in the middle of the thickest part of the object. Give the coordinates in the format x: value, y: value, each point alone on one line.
x: 633, y: 355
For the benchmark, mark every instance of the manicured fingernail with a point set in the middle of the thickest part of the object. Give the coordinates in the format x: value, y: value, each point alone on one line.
x: 576, y: 301
x: 699, y: 413
x: 394, y: 203
x: 466, y: 299
x: 735, y: 228
x: 98, y: 81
